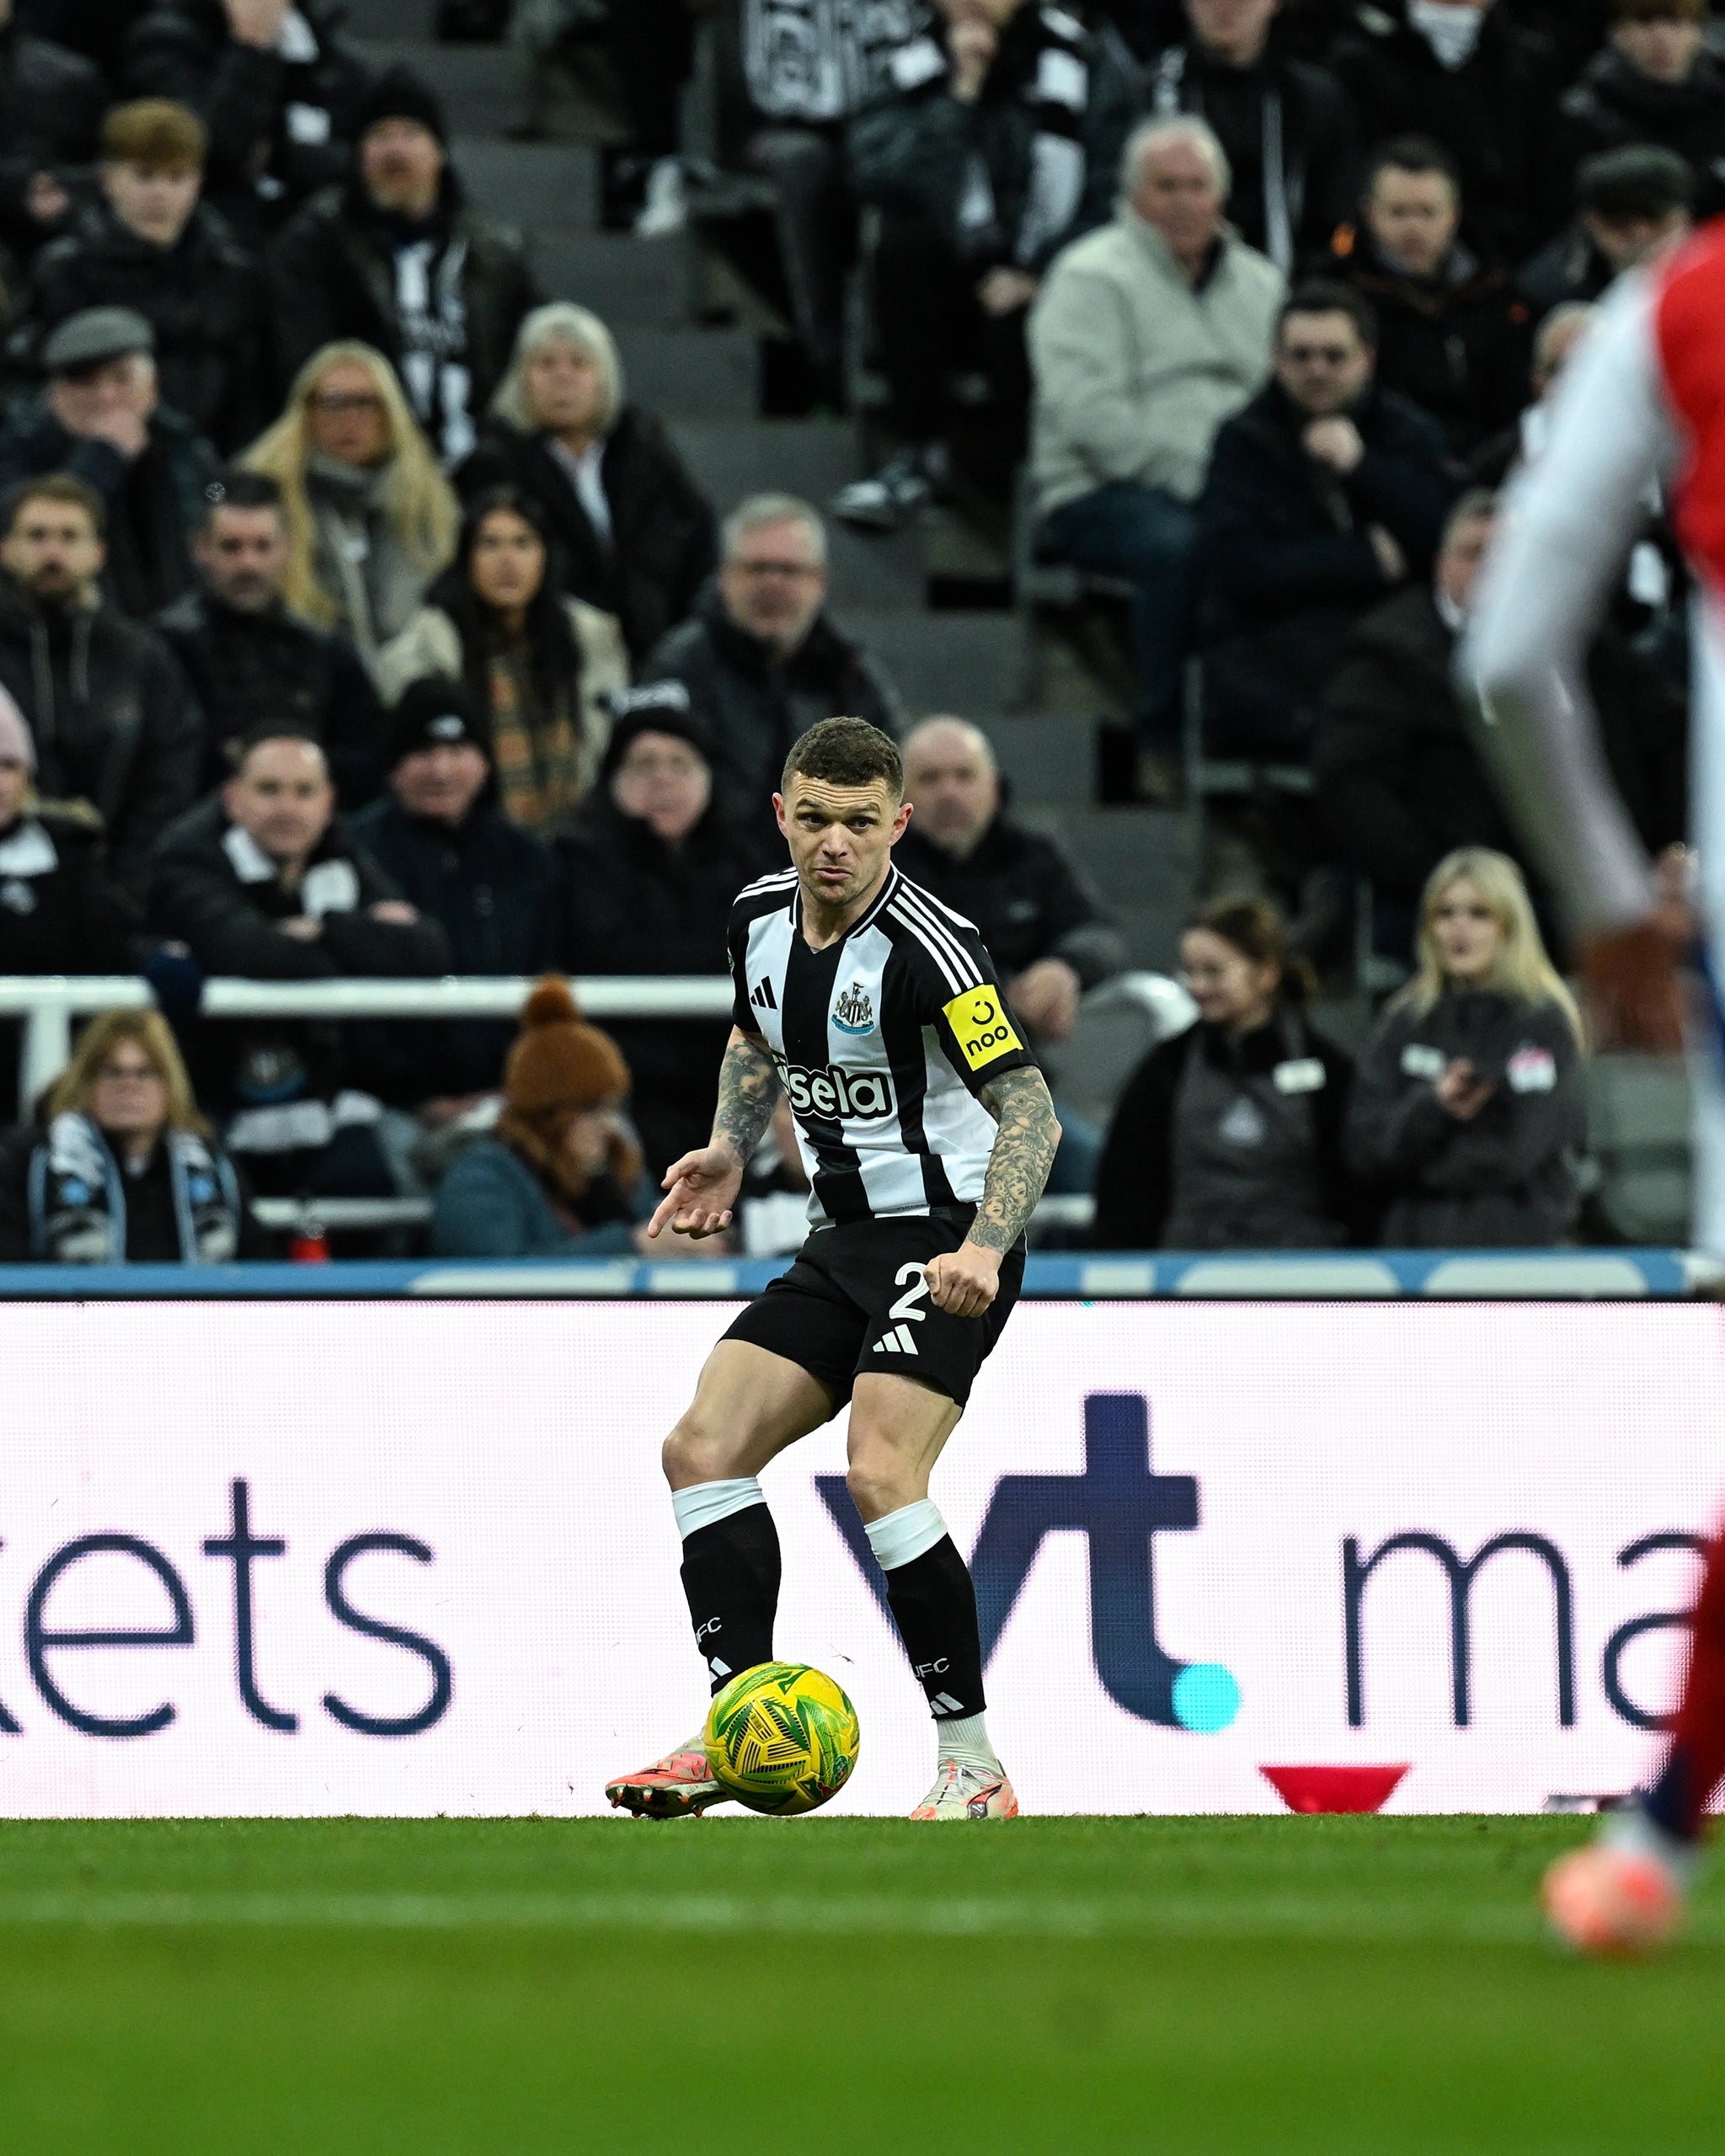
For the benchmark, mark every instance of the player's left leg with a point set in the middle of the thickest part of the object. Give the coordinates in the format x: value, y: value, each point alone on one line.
x: 898, y: 1428
x: 1625, y: 1894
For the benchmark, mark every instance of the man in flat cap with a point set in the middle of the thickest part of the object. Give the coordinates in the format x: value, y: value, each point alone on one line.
x: 99, y: 416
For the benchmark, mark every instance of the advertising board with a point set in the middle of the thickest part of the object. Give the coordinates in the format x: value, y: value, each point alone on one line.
x: 261, y: 1559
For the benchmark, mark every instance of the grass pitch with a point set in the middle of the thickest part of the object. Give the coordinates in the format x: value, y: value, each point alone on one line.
x: 505, y: 1988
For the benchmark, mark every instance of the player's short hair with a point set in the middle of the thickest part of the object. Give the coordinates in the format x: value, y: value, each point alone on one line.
x: 53, y: 486
x: 157, y: 133
x: 1322, y: 296
x: 846, y: 752
x: 1416, y: 153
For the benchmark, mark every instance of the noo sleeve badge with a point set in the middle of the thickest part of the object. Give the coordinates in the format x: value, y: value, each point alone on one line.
x: 981, y: 1027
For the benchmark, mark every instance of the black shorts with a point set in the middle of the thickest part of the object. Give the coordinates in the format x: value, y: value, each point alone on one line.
x: 856, y: 1300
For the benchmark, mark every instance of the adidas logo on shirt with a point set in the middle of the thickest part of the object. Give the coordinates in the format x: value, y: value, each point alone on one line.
x: 897, y: 1340
x: 763, y: 998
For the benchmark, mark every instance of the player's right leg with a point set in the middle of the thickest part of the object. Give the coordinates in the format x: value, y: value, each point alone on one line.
x: 1624, y: 1893
x: 749, y: 1406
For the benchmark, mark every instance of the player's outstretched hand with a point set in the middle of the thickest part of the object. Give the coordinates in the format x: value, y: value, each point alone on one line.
x: 702, y: 1188
x: 1632, y: 983
x: 964, y: 1282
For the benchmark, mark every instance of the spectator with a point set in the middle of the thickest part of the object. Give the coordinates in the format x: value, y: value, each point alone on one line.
x: 792, y: 74
x: 397, y: 260
x: 1045, y: 929
x: 995, y: 141
x: 371, y: 520
x: 1453, y: 332
x: 634, y: 532
x: 1634, y: 204
x: 58, y: 912
x: 271, y: 80
x: 1285, y: 126
x: 126, y: 1172
x: 542, y: 665
x: 101, y: 419
x: 113, y: 724
x: 1147, y: 338
x: 1656, y: 83
x: 650, y: 869
x: 1323, y: 495
x: 149, y: 245
x: 1554, y: 341
x: 1229, y: 1136
x: 1467, y: 72
x: 262, y: 880
x: 439, y: 835
x: 760, y: 660
x: 562, y: 1176
x: 1468, y: 1113
x: 249, y: 660
x: 50, y: 110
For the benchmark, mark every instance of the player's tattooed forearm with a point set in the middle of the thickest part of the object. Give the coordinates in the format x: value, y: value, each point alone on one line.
x: 1024, y: 1153
x: 748, y: 1093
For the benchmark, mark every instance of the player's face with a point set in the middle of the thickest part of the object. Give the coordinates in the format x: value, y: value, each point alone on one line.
x: 840, y: 836
x: 1466, y: 933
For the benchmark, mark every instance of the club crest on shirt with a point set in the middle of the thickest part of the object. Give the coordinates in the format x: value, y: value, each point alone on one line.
x: 853, y: 1013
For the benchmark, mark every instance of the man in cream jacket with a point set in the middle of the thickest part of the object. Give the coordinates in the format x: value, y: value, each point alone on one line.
x: 1148, y: 335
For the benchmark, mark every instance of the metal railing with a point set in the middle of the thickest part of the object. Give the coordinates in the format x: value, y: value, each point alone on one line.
x: 49, y: 1003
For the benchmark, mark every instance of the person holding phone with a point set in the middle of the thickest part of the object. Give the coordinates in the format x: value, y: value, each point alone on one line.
x: 1468, y: 1114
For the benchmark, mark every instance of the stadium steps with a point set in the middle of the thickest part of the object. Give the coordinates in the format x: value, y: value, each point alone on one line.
x: 530, y: 184
x: 699, y: 374
x: 623, y: 281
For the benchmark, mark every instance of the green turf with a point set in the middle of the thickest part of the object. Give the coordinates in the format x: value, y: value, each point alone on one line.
x: 362, y: 1989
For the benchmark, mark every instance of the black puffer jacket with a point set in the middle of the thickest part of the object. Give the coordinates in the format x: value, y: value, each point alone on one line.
x: 496, y: 889
x: 1458, y: 344
x: 50, y: 116
x: 113, y: 722
x: 332, y: 275
x: 155, y: 502
x: 663, y: 546
x: 1285, y: 541
x: 1222, y: 1142
x: 1494, y: 114
x: 244, y: 669
x: 1614, y: 105
x: 911, y: 150
x: 634, y: 905
x: 1028, y: 901
x: 262, y: 161
x: 754, y: 710
x: 1507, y: 1180
x: 204, y: 296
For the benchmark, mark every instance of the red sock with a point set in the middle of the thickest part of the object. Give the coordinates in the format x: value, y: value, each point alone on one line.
x: 1696, y: 1766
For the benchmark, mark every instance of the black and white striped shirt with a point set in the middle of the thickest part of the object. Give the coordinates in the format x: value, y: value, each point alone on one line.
x: 882, y: 1043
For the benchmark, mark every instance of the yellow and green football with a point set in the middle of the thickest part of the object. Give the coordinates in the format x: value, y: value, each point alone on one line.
x: 782, y: 1738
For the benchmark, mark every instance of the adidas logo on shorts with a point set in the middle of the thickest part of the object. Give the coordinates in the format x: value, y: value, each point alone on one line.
x: 898, y: 1340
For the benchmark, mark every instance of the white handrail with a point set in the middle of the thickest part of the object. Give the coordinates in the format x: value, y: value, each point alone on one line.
x: 49, y: 1003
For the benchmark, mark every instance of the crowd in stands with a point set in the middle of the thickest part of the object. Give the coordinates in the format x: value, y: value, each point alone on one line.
x: 355, y: 622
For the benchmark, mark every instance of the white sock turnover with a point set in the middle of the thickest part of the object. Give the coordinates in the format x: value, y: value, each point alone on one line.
x: 705, y: 1504
x: 965, y: 1739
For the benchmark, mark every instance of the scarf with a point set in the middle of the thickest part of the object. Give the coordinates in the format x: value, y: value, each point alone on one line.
x: 432, y: 308
x: 814, y: 61
x: 1450, y: 27
x: 1284, y: 182
x: 78, y: 1197
x: 1057, y: 93
x: 542, y: 763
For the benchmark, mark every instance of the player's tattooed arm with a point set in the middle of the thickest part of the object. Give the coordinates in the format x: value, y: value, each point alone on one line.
x: 748, y: 1093
x: 1024, y: 1153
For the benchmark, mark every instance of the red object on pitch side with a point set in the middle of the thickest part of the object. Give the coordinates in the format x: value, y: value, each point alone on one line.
x: 1334, y: 1789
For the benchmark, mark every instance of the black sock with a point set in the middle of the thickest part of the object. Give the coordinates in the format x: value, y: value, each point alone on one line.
x: 934, y: 1606
x: 1670, y: 1802
x: 730, y: 1575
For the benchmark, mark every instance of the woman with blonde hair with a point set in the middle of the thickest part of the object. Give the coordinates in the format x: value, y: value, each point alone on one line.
x: 1468, y: 1115
x: 635, y: 533
x: 126, y: 1170
x: 371, y: 518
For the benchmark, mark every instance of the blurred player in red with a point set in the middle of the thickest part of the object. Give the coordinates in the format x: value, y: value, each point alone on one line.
x: 1642, y: 409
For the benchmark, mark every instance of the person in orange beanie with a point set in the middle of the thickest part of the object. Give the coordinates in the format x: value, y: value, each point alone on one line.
x: 562, y: 1175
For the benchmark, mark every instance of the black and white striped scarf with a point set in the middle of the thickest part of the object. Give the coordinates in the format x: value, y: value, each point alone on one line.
x: 1057, y: 92
x: 814, y: 61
